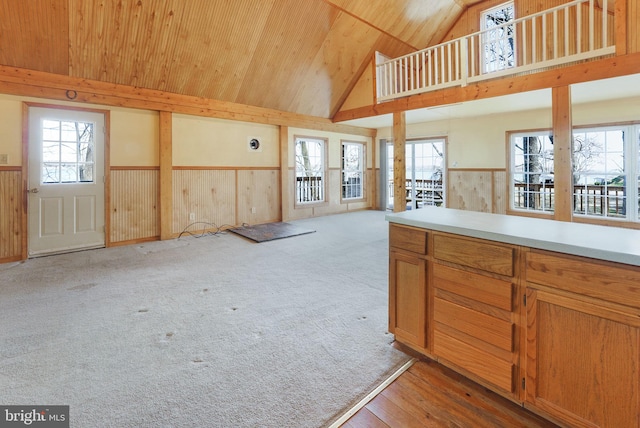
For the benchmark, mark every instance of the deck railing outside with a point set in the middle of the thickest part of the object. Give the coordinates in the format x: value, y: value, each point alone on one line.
x: 419, y: 193
x: 309, y: 189
x: 604, y: 200
x: 568, y: 33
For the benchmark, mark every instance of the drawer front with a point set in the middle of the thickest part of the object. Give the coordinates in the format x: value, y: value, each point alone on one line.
x: 486, y: 256
x: 617, y: 284
x: 483, y: 289
x: 474, y: 324
x: 482, y: 364
x: 408, y: 238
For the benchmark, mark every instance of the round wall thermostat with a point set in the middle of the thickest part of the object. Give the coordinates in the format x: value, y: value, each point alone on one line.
x: 254, y: 144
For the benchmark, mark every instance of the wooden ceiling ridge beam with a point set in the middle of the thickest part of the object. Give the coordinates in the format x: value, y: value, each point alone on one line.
x: 38, y: 84
x: 616, y: 66
x: 370, y: 24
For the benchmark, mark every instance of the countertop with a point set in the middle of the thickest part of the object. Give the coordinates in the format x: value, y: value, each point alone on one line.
x: 614, y: 244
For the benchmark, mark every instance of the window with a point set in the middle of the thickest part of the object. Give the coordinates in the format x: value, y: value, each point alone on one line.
x: 425, y: 175
x: 498, y: 44
x: 67, y: 151
x: 605, y: 171
x: 310, y: 155
x: 602, y: 172
x: 532, y: 182
x: 352, y: 170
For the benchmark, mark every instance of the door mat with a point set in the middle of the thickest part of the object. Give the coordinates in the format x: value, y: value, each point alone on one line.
x: 270, y: 231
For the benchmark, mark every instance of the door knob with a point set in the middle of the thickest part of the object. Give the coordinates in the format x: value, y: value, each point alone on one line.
x: 34, y: 190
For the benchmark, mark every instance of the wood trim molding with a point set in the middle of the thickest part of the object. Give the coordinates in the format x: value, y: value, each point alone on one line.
x: 31, y: 83
x: 285, y: 197
x: 225, y: 168
x: 25, y: 182
x: 166, y: 176
x: 595, y: 70
x: 563, y: 137
x: 134, y: 168
x: 399, y: 161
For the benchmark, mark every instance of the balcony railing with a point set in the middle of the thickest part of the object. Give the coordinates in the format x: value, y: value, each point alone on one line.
x: 565, y: 34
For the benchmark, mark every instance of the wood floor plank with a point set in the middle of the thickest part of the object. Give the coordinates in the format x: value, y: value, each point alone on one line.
x: 391, y: 414
x: 364, y: 419
x: 431, y: 395
x: 404, y: 395
x: 466, y: 393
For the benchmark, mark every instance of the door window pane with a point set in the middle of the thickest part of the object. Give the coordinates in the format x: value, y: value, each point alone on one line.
x: 67, y: 151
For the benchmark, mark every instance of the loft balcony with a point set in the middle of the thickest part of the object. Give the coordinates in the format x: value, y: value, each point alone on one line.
x: 573, y: 32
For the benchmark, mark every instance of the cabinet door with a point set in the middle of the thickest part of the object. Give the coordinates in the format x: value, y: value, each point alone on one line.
x: 582, y: 360
x: 408, y: 298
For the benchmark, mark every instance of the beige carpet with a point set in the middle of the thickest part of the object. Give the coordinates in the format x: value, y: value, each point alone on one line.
x: 203, y: 332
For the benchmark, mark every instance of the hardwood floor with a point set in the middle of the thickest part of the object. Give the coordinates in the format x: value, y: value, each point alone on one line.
x: 431, y: 395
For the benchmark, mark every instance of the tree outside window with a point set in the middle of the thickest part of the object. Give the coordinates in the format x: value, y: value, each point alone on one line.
x: 498, y: 38
x: 605, y: 180
x: 599, y: 173
x: 67, y: 151
x: 532, y: 180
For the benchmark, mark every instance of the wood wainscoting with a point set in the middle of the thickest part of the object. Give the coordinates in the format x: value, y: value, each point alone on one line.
x: 11, y: 200
x: 134, y: 204
x: 483, y: 190
x: 224, y: 196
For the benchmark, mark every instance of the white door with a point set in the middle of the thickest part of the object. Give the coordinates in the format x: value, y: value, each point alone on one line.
x: 66, y: 181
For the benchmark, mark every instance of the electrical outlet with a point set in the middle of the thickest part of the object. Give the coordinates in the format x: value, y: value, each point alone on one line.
x: 192, y: 216
x: 4, y: 159
x: 253, y: 210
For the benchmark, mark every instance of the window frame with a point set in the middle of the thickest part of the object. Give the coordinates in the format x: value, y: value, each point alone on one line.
x: 362, y: 170
x: 324, y: 155
x: 511, y: 173
x: 484, y: 42
x: 631, y: 169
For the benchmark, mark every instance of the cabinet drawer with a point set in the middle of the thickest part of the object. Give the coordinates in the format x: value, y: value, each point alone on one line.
x: 474, y: 324
x: 489, y: 257
x: 482, y: 364
x: 408, y: 238
x: 600, y: 280
x: 483, y: 289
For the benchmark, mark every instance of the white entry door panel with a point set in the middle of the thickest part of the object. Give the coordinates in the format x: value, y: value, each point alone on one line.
x: 66, y: 181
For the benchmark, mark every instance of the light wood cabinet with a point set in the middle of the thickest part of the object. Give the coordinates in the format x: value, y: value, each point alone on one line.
x: 408, y: 285
x: 583, y: 340
x: 474, y: 315
x: 557, y: 333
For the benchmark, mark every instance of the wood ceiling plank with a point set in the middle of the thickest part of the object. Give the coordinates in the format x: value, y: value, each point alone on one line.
x: 129, y: 42
x: 288, y: 45
x: 35, y: 35
x: 417, y: 23
x: 218, y: 46
x: 345, y: 54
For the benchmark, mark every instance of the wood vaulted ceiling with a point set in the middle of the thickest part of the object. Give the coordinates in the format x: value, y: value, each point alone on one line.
x: 300, y: 56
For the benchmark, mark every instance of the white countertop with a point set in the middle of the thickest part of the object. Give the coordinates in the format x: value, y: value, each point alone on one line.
x: 600, y: 242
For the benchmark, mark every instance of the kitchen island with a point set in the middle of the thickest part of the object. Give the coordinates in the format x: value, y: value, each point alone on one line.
x: 544, y: 313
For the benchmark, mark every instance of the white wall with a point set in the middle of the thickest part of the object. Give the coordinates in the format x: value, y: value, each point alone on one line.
x: 480, y: 141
